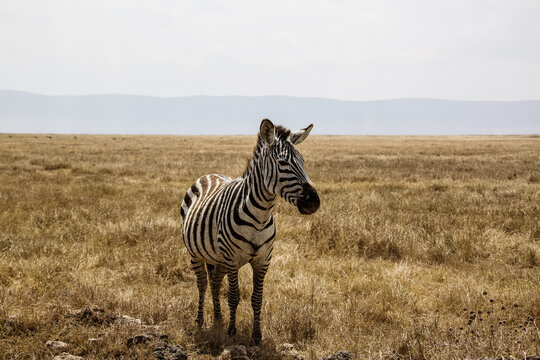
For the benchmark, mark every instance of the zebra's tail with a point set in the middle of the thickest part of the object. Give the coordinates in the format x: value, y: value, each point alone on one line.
x: 210, y: 268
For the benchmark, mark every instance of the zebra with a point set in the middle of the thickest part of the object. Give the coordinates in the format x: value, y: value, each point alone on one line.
x: 228, y: 223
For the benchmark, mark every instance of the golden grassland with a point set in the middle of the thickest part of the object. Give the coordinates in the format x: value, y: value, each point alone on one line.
x: 423, y: 248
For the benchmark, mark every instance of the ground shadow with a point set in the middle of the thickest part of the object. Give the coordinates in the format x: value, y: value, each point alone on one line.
x: 213, y: 339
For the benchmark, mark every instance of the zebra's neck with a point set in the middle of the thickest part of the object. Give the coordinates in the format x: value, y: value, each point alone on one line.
x: 254, y: 158
x: 259, y: 185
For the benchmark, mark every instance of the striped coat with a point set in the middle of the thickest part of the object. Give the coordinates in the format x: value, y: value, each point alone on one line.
x: 227, y: 223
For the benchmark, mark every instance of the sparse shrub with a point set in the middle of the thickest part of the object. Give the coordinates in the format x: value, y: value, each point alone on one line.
x: 531, y: 258
x: 6, y: 275
x: 534, y: 178
x: 15, y: 326
x: 438, y: 187
x: 56, y: 166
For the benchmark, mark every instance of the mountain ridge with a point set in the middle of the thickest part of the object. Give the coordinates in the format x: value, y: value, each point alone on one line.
x: 27, y: 112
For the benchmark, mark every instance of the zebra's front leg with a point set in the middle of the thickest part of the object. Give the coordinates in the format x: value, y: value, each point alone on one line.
x: 215, y: 284
x: 234, y: 298
x: 259, y: 271
x: 199, y: 268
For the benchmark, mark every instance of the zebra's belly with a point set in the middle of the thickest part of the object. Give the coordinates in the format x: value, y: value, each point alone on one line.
x: 253, y: 246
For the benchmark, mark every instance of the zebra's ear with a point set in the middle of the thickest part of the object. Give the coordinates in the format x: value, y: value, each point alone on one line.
x: 267, y: 132
x: 298, y: 136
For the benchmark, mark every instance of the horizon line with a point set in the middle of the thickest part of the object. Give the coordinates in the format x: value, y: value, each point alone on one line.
x: 534, y: 135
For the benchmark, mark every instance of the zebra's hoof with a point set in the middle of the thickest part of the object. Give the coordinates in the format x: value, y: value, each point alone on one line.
x: 231, y: 331
x: 218, y: 322
x: 257, y: 340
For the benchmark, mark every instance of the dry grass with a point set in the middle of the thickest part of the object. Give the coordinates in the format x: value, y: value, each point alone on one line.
x: 411, y: 232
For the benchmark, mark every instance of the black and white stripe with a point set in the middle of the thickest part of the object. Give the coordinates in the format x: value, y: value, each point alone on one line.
x: 228, y: 223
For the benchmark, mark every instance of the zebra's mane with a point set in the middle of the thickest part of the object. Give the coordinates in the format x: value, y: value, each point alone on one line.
x: 281, y: 135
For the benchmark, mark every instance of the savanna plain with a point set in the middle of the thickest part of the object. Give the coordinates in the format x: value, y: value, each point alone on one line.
x: 423, y: 247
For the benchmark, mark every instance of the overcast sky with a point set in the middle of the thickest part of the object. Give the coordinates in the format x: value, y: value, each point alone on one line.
x: 355, y: 50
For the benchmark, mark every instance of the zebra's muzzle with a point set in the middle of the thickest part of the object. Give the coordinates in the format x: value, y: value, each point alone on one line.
x: 309, y: 202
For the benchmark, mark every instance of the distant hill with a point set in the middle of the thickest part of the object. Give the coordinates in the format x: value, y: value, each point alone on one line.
x: 22, y: 112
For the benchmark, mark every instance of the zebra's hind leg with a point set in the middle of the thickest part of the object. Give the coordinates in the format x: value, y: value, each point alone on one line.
x: 259, y: 271
x: 216, y: 277
x: 199, y: 268
x: 234, y: 298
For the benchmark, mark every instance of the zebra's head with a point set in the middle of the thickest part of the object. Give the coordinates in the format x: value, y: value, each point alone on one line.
x: 291, y: 181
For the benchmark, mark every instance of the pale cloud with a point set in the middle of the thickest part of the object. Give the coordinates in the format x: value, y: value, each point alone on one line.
x: 339, y: 49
